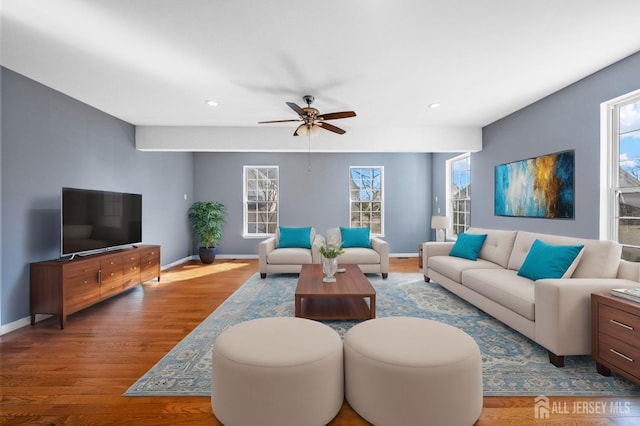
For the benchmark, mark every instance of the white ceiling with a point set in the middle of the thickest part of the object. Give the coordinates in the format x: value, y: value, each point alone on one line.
x: 155, y: 62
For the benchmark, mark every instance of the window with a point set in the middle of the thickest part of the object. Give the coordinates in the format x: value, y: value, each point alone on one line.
x: 623, y: 207
x: 365, y: 198
x: 260, y: 200
x: 459, y: 193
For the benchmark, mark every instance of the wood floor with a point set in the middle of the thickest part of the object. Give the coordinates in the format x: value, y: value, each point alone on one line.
x: 77, y: 376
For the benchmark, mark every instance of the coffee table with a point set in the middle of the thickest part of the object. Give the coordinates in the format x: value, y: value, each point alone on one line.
x: 343, y: 299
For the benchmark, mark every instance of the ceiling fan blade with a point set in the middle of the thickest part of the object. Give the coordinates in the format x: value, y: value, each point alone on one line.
x: 337, y: 115
x: 297, y: 109
x: 332, y: 128
x: 277, y: 121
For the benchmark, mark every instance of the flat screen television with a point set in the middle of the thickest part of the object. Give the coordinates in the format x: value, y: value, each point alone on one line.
x: 94, y: 220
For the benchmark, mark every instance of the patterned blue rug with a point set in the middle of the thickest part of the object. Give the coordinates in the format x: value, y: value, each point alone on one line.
x: 512, y: 364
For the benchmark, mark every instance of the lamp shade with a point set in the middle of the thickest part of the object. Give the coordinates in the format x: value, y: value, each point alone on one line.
x: 439, y: 222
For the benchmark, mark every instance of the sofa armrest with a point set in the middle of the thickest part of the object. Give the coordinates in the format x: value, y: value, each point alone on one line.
x: 431, y: 249
x: 563, y: 312
x: 629, y: 270
x: 382, y: 247
x: 264, y: 248
x: 317, y: 242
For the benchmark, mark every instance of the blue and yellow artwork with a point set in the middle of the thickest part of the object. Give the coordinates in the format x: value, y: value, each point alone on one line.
x: 536, y: 187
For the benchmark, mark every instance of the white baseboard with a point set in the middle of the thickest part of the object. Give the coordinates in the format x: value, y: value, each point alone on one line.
x: 22, y: 322
x: 412, y: 254
x: 228, y: 256
x: 176, y: 263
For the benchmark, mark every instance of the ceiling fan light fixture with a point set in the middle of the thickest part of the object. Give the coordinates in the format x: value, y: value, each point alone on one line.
x: 308, y: 129
x: 211, y: 103
x: 302, y: 131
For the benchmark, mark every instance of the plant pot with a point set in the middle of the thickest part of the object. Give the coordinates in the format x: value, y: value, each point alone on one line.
x: 207, y: 255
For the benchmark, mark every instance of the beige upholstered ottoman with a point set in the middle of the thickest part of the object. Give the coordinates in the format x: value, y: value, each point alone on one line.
x: 277, y: 371
x: 412, y: 371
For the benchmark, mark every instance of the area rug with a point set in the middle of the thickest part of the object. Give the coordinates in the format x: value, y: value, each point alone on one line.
x: 512, y: 364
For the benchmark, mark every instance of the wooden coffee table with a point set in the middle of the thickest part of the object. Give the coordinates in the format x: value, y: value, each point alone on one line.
x: 343, y: 299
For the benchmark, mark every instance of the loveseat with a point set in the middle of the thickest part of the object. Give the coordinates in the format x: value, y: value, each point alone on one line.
x: 553, y: 312
x: 288, y: 250
x: 369, y: 252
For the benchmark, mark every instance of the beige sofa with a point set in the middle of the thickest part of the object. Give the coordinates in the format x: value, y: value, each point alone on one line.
x: 374, y: 260
x: 555, y: 313
x: 274, y: 260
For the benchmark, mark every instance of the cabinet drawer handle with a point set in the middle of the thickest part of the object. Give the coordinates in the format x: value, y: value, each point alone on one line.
x: 621, y: 355
x: 628, y: 327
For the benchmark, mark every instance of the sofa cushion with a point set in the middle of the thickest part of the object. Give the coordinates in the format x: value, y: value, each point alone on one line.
x: 504, y: 287
x: 355, y: 237
x: 292, y: 237
x: 360, y: 256
x: 549, y: 260
x: 468, y: 246
x: 498, y: 245
x: 600, y: 258
x: 452, y: 267
x: 289, y: 256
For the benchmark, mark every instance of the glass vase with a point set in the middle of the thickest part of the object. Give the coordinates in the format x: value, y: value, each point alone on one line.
x: 329, y: 268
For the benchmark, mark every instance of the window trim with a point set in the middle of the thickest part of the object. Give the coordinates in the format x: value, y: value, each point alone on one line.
x: 448, y: 201
x: 610, y: 163
x: 382, y: 214
x: 245, y: 233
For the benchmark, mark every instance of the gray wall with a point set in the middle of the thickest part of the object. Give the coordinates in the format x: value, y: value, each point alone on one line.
x: 49, y: 141
x: 567, y: 119
x: 320, y: 197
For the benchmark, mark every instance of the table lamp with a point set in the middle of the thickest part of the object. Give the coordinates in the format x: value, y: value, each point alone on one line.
x: 439, y: 223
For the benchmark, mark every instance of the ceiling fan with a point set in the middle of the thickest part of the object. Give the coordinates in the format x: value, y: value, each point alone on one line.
x: 312, y: 120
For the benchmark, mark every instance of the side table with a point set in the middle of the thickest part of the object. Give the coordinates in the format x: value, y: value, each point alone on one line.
x: 615, y: 336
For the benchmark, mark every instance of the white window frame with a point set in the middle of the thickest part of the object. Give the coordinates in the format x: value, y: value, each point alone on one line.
x: 610, y: 163
x: 245, y: 202
x: 381, y: 169
x: 449, y: 201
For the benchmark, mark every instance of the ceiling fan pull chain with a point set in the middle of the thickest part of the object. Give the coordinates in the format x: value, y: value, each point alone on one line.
x: 309, y: 154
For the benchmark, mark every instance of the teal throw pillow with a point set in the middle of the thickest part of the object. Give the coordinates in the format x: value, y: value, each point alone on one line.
x: 355, y: 237
x: 548, y: 261
x: 294, y: 237
x: 468, y: 246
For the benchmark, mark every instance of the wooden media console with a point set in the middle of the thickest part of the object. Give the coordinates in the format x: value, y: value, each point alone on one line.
x: 62, y: 287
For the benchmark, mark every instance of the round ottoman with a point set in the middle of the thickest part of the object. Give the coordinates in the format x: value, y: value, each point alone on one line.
x: 412, y: 371
x: 277, y: 371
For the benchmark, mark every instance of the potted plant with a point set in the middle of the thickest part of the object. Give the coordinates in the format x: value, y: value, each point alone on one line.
x: 207, y: 219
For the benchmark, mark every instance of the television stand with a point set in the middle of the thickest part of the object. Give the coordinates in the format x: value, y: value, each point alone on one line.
x: 61, y: 287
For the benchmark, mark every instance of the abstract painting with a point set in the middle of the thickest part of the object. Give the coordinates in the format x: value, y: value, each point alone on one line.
x: 536, y: 187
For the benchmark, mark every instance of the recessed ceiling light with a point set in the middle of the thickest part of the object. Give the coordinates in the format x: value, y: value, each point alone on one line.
x: 434, y: 106
x: 211, y: 103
